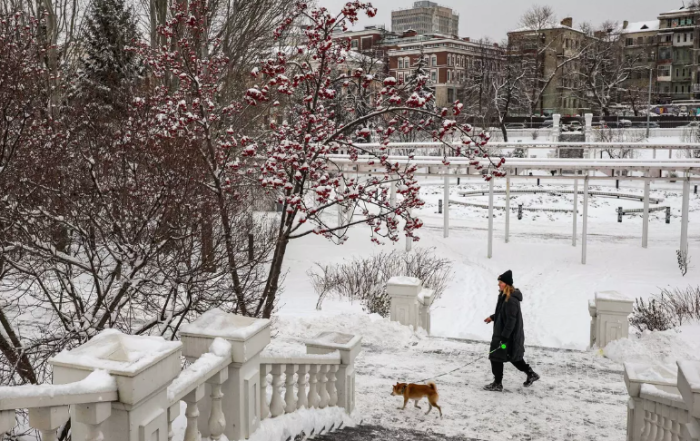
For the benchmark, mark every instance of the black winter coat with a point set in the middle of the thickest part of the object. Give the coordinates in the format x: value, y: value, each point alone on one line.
x: 508, y: 329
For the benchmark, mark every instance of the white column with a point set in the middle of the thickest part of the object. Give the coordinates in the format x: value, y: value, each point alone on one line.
x: 276, y: 403
x: 217, y: 419
x: 573, y: 240
x: 446, y: 206
x: 507, y: 209
x: 192, y: 413
x: 684, y: 217
x: 584, y: 235
x: 645, y: 221
x: 264, y: 407
x: 173, y: 413
x: 324, y: 397
x: 313, y: 384
x: 332, y: 386
x: 302, y: 398
x: 289, y: 397
x: 490, y: 251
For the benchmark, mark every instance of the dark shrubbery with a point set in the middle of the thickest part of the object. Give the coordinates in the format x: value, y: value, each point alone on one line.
x: 668, y: 310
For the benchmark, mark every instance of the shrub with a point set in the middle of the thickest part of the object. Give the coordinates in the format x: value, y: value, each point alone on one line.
x: 668, y: 310
x: 365, y: 279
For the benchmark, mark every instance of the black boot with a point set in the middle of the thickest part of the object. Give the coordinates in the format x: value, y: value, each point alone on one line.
x: 496, y: 386
x: 531, y: 378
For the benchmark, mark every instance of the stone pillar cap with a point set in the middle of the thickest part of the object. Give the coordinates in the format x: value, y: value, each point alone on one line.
x: 613, y: 296
x: 406, y: 281
x: 217, y: 323
x: 335, y: 340
x: 117, y: 353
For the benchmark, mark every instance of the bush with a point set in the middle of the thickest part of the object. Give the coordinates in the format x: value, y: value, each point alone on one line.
x: 668, y: 310
x: 365, y: 279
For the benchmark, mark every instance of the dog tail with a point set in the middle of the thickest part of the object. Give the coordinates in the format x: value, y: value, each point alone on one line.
x: 432, y: 386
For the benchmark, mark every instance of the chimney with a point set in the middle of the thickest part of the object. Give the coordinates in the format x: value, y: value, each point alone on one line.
x: 496, y: 45
x: 625, y: 24
x: 568, y: 21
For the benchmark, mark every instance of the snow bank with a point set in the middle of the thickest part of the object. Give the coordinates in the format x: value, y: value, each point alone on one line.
x: 218, y: 323
x: 306, y: 420
x: 665, y: 347
x: 113, y: 351
x: 97, y: 382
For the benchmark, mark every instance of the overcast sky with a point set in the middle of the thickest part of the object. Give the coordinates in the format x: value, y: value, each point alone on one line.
x: 494, y: 18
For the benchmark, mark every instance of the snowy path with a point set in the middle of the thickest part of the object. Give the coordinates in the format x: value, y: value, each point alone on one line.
x: 581, y: 396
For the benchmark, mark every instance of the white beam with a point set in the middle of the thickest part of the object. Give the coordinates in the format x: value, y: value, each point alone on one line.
x: 446, y: 207
x: 490, y: 253
x: 392, y: 194
x: 584, y: 235
x: 575, y: 212
x: 684, y: 216
x: 507, y: 209
x: 409, y: 240
x: 645, y: 220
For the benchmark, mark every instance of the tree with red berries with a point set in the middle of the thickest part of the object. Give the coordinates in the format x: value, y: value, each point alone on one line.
x: 298, y: 161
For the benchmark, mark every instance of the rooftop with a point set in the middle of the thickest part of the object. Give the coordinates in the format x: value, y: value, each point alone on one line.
x: 641, y: 26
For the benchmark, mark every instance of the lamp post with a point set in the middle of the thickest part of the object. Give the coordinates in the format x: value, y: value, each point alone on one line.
x: 651, y: 74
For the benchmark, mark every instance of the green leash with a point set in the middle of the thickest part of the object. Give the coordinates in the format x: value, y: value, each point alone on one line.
x: 502, y: 346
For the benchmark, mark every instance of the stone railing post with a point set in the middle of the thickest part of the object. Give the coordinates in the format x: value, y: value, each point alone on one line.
x: 403, y: 292
x: 349, y: 347
x: 143, y: 368
x: 636, y: 375
x: 610, y: 317
x: 47, y: 420
x: 425, y: 301
x: 556, y: 128
x: 242, y: 394
x: 689, y: 387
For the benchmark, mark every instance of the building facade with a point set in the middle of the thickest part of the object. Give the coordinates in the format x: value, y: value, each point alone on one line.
x: 447, y: 61
x: 543, y: 53
x: 678, y: 55
x: 426, y: 18
x: 641, y: 45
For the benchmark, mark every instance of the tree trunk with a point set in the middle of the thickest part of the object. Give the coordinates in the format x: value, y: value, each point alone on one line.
x: 272, y: 286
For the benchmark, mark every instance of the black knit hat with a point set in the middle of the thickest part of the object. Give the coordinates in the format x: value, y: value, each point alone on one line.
x: 507, y: 278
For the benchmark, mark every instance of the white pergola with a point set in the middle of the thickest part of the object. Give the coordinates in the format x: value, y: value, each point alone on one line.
x: 688, y: 170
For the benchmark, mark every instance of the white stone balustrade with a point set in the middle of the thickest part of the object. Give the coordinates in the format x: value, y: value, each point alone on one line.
x: 410, y: 302
x: 609, y: 312
x: 130, y: 388
x: 662, y: 405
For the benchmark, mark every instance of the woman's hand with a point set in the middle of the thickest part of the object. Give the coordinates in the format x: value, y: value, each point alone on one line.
x: 488, y: 320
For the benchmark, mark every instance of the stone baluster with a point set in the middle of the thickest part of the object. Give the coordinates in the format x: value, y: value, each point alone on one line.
x: 47, y: 420
x: 93, y: 415
x: 217, y: 419
x: 7, y: 421
x: 264, y: 407
x: 332, y: 386
x: 276, y: 404
x: 173, y: 413
x: 192, y: 413
x: 313, y: 393
x: 289, y: 397
x: 322, y: 387
x: 302, y: 398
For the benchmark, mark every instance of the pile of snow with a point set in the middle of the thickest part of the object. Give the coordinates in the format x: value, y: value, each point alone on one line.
x: 666, y: 347
x: 202, y: 369
x: 97, y: 382
x: 303, y: 420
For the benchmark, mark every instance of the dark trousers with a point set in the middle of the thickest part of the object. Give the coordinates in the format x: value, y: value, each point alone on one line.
x: 497, y: 368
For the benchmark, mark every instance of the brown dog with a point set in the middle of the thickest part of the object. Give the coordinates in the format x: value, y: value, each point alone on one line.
x: 416, y: 392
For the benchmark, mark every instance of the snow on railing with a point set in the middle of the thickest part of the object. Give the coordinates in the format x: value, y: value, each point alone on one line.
x: 48, y: 404
x: 130, y: 388
x: 664, y: 405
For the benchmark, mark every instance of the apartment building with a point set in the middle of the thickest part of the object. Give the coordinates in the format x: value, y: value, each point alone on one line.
x: 641, y: 45
x: 678, y: 55
x: 426, y: 18
x: 448, y: 61
x: 543, y: 53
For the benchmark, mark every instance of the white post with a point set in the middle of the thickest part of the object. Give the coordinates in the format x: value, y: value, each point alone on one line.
x: 446, y: 207
x: 507, y: 209
x: 392, y: 194
x: 684, y: 217
x: 47, y: 420
x: 192, y: 413
x: 302, y: 398
x: 584, y: 235
x: 276, y: 404
x: 264, y: 407
x: 324, y: 397
x: 612, y: 312
x: 332, y: 387
x: 490, y: 251
x: 92, y: 416
x: 217, y: 419
x: 403, y: 293
x: 173, y: 413
x: 313, y: 383
x: 575, y: 211
x: 289, y: 398
x: 645, y: 221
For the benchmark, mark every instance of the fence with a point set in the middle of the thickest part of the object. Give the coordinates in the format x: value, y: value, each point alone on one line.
x: 130, y: 388
x: 664, y: 405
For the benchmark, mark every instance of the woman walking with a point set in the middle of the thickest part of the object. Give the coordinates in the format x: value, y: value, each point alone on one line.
x: 508, y: 331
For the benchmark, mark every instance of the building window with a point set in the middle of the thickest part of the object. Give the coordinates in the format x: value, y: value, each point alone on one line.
x: 400, y: 63
x: 434, y: 60
x: 629, y: 42
x: 433, y: 76
x: 354, y: 44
